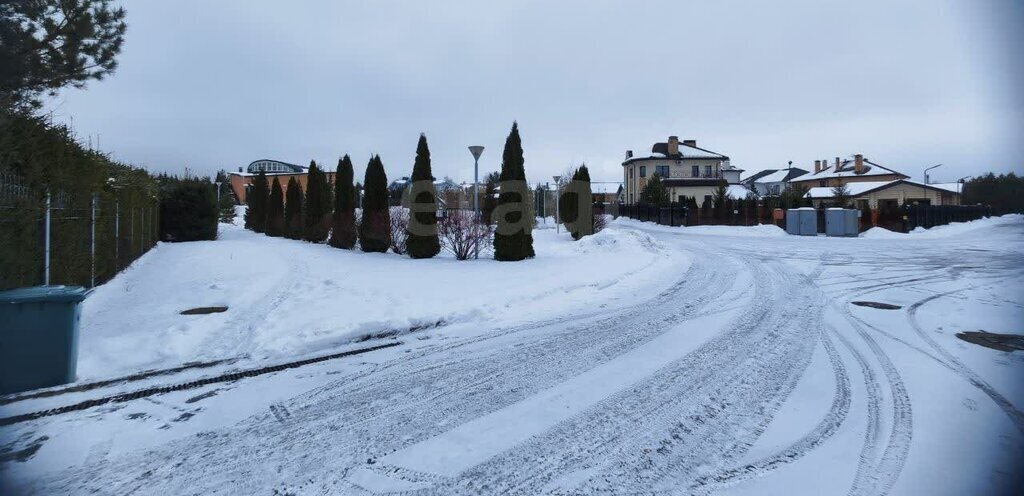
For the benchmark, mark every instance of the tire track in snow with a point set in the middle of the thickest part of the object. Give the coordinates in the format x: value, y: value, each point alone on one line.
x: 652, y: 409
x: 828, y: 426
x: 358, y: 420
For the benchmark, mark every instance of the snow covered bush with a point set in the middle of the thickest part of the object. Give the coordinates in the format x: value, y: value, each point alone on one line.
x: 463, y: 235
x: 399, y: 230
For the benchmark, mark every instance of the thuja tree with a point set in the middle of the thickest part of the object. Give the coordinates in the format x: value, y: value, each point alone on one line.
x: 581, y: 222
x: 317, y: 208
x: 375, y: 228
x: 275, y: 210
x: 490, y: 197
x: 343, y: 230
x: 422, y: 241
x: 293, y: 210
x: 256, y: 213
x: 513, y: 236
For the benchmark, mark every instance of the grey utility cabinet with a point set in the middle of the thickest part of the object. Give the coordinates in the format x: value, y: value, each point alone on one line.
x: 842, y: 222
x: 802, y: 221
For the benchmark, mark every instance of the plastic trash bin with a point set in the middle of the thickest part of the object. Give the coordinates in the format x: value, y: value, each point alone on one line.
x: 39, y: 336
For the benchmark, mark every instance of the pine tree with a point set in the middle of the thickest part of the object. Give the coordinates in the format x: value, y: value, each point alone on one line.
x: 317, y: 206
x: 654, y: 191
x: 256, y: 212
x: 490, y: 197
x: 293, y: 210
x: 375, y: 228
x: 840, y: 195
x: 422, y: 241
x: 513, y: 237
x: 275, y: 210
x: 343, y: 232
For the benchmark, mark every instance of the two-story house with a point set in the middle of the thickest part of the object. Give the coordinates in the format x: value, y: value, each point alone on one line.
x: 686, y: 170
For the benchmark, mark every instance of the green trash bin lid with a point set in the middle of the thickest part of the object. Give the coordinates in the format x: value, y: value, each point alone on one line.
x: 44, y: 294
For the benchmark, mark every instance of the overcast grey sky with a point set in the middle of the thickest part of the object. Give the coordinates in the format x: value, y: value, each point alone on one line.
x: 213, y: 85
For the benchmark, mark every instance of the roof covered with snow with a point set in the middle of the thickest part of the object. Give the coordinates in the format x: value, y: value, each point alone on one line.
x: 737, y: 191
x: 862, y: 188
x: 847, y: 169
x: 605, y: 187
x: 660, y: 151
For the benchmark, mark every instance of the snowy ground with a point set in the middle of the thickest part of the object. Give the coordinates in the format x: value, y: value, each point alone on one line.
x: 645, y: 359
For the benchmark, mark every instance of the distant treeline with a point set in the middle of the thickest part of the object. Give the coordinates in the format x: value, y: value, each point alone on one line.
x: 1004, y: 193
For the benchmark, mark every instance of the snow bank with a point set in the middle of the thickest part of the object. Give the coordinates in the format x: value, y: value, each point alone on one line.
x: 290, y: 298
x: 949, y: 230
x: 758, y: 231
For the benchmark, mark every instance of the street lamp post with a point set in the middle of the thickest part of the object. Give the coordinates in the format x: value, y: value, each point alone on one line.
x: 556, y: 178
x: 476, y: 150
x: 928, y: 169
x: 218, y: 183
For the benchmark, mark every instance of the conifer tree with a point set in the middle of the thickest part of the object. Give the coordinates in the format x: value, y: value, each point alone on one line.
x: 490, y: 199
x: 375, y: 228
x: 256, y: 212
x: 343, y: 232
x: 513, y: 237
x: 275, y: 210
x: 317, y: 206
x: 422, y: 241
x: 293, y: 210
x: 583, y: 223
x: 654, y: 191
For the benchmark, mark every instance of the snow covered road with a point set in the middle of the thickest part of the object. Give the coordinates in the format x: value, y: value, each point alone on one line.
x: 744, y: 370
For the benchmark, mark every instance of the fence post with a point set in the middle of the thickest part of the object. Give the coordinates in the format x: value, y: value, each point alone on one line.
x: 46, y: 242
x: 92, y: 243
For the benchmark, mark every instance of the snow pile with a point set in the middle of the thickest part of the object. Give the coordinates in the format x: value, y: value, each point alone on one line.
x: 758, y: 231
x: 287, y: 298
x: 946, y: 231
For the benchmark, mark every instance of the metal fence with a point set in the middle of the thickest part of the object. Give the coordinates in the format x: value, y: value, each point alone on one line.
x: 52, y: 237
x: 679, y: 214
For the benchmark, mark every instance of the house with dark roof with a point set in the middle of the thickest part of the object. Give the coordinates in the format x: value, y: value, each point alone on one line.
x: 687, y: 170
x: 772, y: 181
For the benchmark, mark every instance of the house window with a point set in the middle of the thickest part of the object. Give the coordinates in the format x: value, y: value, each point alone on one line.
x: 822, y: 183
x: 707, y: 171
x: 695, y: 172
x: 643, y: 171
x: 662, y: 170
x: 631, y: 173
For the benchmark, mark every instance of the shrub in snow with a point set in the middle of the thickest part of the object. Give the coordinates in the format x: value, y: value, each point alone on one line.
x: 422, y: 226
x: 188, y: 211
x: 400, y: 238
x: 293, y: 210
x: 317, y: 207
x: 275, y: 210
x: 513, y: 236
x: 375, y: 228
x: 463, y: 235
x: 256, y: 214
x: 343, y: 229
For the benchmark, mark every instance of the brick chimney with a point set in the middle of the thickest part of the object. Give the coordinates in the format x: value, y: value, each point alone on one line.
x: 629, y: 154
x: 817, y: 166
x: 839, y: 164
x: 690, y: 142
x: 858, y: 163
x: 673, y: 145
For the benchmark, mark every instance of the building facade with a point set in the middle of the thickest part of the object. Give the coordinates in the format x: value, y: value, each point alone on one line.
x: 687, y: 170
x: 241, y: 181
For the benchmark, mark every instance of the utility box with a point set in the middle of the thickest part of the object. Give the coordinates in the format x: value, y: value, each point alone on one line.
x: 39, y: 336
x: 802, y: 221
x: 841, y: 222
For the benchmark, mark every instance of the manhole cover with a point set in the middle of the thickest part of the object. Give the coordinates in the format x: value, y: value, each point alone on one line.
x: 1001, y: 342
x: 875, y: 304
x: 204, y: 310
